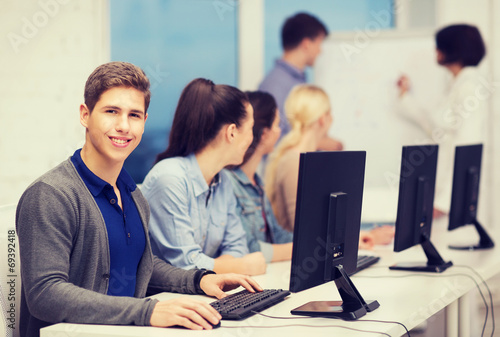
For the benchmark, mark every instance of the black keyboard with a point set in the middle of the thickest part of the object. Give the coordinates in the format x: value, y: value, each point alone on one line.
x: 365, y: 261
x: 244, y: 303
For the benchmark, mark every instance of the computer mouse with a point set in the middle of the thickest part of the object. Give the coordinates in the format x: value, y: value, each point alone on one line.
x: 215, y: 326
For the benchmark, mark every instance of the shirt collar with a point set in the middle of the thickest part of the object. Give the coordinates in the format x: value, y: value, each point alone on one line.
x: 243, y: 179
x: 96, y: 184
x: 199, y: 184
x: 295, y: 72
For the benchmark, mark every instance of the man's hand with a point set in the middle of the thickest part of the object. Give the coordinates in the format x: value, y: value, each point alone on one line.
x: 186, y: 312
x: 216, y: 284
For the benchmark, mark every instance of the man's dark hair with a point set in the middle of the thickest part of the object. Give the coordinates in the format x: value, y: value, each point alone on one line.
x: 298, y: 27
x: 115, y: 74
x: 461, y: 44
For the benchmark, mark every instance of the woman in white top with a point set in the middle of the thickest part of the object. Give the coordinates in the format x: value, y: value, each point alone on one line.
x: 460, y: 117
x: 308, y: 111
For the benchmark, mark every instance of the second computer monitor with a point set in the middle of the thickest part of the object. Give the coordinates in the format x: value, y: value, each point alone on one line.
x: 415, y: 207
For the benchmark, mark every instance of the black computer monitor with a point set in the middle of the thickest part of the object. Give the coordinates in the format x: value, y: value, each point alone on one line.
x: 465, y: 194
x: 415, y: 207
x: 326, y: 232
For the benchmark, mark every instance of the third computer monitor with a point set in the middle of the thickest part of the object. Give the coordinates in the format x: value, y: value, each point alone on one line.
x: 415, y: 207
x: 465, y: 194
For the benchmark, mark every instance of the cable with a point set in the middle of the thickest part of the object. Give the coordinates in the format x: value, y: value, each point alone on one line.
x: 441, y: 276
x: 392, y: 322
x: 489, y: 293
x: 358, y: 320
x: 304, y: 325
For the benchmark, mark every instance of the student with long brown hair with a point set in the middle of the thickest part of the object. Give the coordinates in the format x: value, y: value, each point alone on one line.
x: 263, y: 231
x: 193, y: 209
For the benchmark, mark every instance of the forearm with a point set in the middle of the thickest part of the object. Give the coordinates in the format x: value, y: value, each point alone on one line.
x: 229, y: 264
x: 282, y: 252
x: 60, y: 301
x: 168, y: 278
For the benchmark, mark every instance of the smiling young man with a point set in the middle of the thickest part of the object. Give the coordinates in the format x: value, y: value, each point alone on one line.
x: 82, y: 228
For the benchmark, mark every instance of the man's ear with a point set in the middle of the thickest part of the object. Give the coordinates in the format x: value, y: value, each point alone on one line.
x: 306, y: 43
x: 84, y: 115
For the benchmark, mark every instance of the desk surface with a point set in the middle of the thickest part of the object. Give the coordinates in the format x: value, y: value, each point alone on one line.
x: 409, y: 298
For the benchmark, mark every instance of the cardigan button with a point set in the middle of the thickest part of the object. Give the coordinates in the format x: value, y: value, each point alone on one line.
x: 106, y: 276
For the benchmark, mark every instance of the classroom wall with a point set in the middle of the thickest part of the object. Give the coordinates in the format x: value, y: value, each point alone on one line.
x: 49, y: 47
x: 47, y: 50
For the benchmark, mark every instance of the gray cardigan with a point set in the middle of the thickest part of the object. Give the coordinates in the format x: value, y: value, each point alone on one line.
x: 65, y: 261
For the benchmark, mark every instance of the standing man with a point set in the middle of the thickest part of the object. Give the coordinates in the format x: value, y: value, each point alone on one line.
x: 301, y: 37
x: 83, y: 228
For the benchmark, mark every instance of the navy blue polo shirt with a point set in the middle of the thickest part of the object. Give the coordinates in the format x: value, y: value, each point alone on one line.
x: 125, y: 230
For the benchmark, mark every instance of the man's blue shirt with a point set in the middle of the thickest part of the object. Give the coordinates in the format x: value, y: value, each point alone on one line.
x: 278, y: 82
x: 126, y: 235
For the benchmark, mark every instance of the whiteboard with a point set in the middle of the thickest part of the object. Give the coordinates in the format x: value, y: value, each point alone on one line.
x: 360, y: 78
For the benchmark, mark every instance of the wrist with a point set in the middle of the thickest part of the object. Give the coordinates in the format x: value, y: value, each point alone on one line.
x: 197, y: 279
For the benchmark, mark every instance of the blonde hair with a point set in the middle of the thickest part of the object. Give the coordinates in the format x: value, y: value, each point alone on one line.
x: 304, y: 105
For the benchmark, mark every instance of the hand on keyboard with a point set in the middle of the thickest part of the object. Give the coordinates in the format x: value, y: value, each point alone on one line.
x: 216, y: 284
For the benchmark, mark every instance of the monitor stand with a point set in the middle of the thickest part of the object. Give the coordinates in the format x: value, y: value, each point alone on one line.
x: 485, y: 241
x: 435, y: 262
x: 352, y: 306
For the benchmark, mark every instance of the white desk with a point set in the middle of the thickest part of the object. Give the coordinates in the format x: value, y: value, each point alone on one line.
x: 409, y: 300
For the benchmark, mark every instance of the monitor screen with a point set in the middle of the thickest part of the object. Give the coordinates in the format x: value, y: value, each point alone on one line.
x: 326, y: 232
x: 415, y: 207
x: 320, y: 175
x: 416, y: 195
x: 465, y: 194
x: 465, y: 190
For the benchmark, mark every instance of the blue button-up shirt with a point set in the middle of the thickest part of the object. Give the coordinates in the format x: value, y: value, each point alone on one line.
x: 126, y: 237
x: 278, y: 82
x: 256, y: 214
x: 192, y: 223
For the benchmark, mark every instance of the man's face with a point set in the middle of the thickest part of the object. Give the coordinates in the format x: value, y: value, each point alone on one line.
x: 314, y: 49
x: 115, y: 126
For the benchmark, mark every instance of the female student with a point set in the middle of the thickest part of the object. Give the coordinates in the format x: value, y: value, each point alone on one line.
x: 460, y: 117
x: 263, y: 232
x: 308, y: 111
x: 193, y: 209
